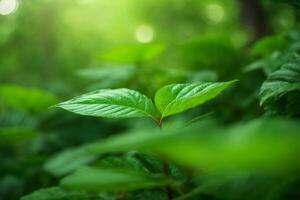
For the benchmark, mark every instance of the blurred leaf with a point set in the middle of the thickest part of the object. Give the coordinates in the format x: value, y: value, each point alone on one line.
x: 292, y: 2
x: 112, y: 103
x: 207, y: 51
x: 263, y: 145
x: 108, y: 76
x: 202, y: 76
x: 128, y: 161
x: 132, y: 54
x: 150, y: 195
x: 281, y: 82
x: 267, y: 45
x: 26, y: 99
x: 110, y: 180
x: 68, y: 160
x: 114, y: 72
x: 16, y: 135
x: 177, y: 98
x: 56, y: 193
x: 237, y: 186
x: 11, y: 187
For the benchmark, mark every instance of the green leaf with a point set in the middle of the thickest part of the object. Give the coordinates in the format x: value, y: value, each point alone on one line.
x: 26, y: 99
x: 56, y: 193
x: 16, y: 135
x: 267, y: 45
x: 112, y: 103
x: 68, y: 161
x: 177, y: 98
x: 111, y: 180
x: 265, y: 146
x: 279, y: 83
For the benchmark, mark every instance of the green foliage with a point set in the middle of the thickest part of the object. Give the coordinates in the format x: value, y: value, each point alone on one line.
x: 177, y: 98
x: 68, y: 160
x: 125, y: 103
x: 118, y: 103
x: 109, y: 180
x: 217, y: 148
x: 268, y: 45
x: 282, y: 81
x: 26, y: 99
x: 56, y: 193
x: 292, y: 2
x: 16, y: 135
x: 238, y: 145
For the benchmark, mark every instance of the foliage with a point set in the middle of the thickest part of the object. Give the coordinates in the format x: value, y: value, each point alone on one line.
x: 152, y: 114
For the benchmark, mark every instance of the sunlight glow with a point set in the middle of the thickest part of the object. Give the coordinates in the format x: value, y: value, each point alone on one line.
x: 144, y: 33
x: 215, y: 12
x: 8, y: 6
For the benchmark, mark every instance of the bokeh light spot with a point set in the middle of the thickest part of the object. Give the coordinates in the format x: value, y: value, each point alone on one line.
x: 144, y: 33
x: 215, y: 12
x: 8, y: 6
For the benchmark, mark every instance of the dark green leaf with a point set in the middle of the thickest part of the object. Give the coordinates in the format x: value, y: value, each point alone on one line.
x: 56, y: 193
x: 281, y: 82
x: 109, y: 180
x: 16, y: 135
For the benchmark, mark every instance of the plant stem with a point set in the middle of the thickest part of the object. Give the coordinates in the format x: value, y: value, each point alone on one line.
x: 165, y: 165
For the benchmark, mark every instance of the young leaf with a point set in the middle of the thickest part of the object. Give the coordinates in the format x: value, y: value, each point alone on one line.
x: 177, y: 98
x: 109, y: 180
x: 112, y: 103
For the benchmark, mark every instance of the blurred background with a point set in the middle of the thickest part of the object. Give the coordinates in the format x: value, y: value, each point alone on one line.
x: 51, y: 50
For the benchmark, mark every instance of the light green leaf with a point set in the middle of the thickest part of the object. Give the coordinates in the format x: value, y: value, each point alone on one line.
x: 177, y: 98
x: 111, y: 180
x: 112, y: 103
x: 281, y: 82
